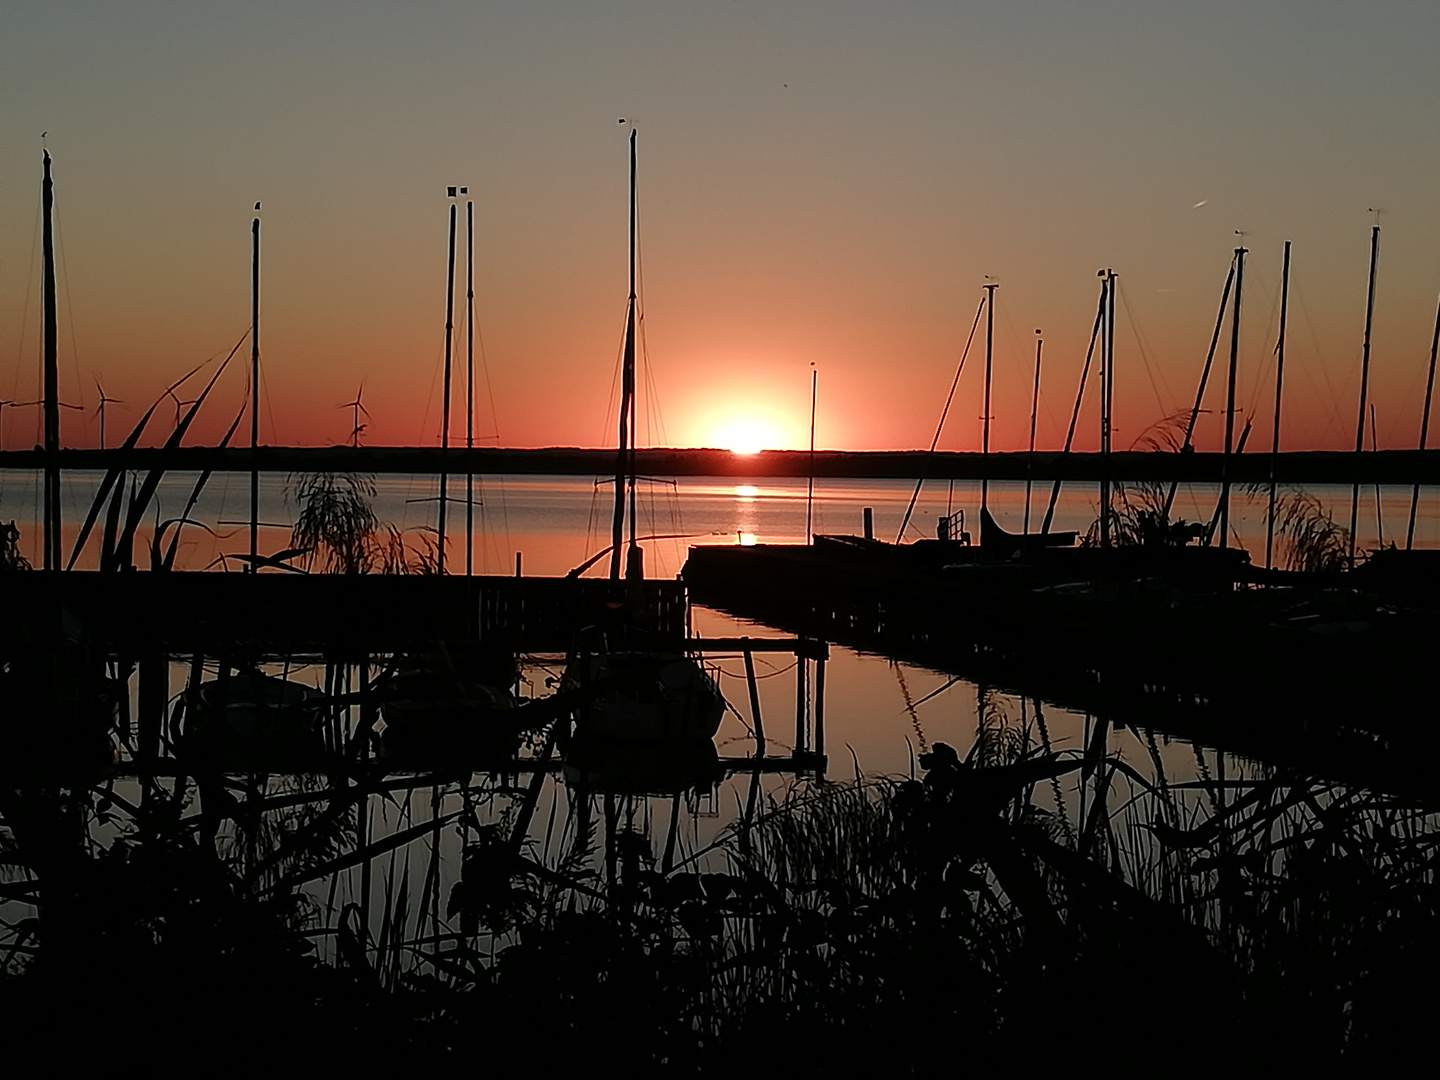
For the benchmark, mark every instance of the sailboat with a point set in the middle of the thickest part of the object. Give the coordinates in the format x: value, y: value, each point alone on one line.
x: 952, y: 543
x: 456, y: 699
x: 649, y: 712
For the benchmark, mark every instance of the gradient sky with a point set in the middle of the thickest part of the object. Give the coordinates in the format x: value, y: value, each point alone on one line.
x: 821, y: 183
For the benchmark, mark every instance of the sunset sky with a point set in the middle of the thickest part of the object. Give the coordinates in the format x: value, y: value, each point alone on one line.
x: 823, y: 184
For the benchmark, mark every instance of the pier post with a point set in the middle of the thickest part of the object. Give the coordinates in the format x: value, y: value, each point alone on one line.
x: 869, y: 523
x: 154, y: 694
x: 754, y: 700
x: 191, y: 700
x: 124, y: 668
x: 820, y: 707
x: 801, y: 671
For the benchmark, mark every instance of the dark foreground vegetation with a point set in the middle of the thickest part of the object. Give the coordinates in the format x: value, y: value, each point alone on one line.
x: 904, y: 925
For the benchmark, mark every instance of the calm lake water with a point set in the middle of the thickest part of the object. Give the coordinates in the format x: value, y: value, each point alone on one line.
x: 556, y: 522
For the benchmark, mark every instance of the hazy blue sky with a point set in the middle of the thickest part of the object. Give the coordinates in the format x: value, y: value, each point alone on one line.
x: 820, y: 182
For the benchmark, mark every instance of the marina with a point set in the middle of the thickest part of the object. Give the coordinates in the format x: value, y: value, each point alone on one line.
x: 339, y: 730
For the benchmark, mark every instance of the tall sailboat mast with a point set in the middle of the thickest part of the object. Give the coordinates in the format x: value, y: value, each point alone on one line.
x: 1107, y: 402
x: 1186, y: 445
x: 1364, y: 386
x: 469, y: 387
x: 51, y: 532
x: 1230, y: 399
x: 990, y: 288
x: 810, y: 469
x: 624, y: 458
x: 1034, y: 413
x: 445, y: 392
x: 1079, y: 399
x: 254, y: 391
x: 1279, y: 385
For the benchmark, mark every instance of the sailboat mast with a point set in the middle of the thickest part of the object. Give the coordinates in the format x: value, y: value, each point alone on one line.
x: 469, y: 387
x: 1075, y: 411
x: 1034, y: 412
x: 990, y: 288
x: 51, y: 532
x: 1364, y: 387
x: 1230, y: 399
x: 255, y: 391
x: 445, y: 392
x: 1424, y: 426
x: 810, y: 482
x: 1204, y: 381
x: 634, y: 567
x: 1279, y: 384
x: 1107, y: 360
x: 623, y: 457
x: 1379, y: 519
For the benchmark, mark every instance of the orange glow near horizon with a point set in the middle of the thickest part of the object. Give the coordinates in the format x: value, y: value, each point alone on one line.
x: 747, y: 435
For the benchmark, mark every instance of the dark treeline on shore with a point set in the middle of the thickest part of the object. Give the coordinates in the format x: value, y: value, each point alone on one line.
x: 1294, y: 467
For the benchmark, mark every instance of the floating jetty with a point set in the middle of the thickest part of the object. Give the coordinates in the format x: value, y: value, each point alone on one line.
x: 1325, y: 672
x: 337, y: 615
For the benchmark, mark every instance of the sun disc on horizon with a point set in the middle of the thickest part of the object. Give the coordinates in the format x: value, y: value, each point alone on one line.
x: 747, y: 436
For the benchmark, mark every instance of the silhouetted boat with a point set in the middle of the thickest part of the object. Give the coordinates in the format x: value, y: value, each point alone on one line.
x: 451, y: 702
x: 651, y: 694
x: 248, y: 719
x: 645, y: 707
x: 995, y: 540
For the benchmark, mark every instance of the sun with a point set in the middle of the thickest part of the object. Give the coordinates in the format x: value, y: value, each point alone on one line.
x: 746, y: 436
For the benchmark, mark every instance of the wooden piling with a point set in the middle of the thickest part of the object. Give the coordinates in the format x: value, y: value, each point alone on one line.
x: 800, y: 674
x: 154, y: 696
x: 754, y: 686
x: 820, y: 707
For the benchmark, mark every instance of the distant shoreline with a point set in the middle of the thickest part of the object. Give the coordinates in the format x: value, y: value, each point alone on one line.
x: 1295, y: 467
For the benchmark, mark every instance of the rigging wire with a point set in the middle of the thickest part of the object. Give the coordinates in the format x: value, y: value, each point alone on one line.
x: 1122, y: 296
x: 1334, y: 421
x: 943, y: 413
x: 1263, y: 384
x: 30, y: 278
x: 74, y: 349
x: 488, y: 539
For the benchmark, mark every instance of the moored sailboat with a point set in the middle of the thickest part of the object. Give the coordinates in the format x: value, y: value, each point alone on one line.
x: 648, y: 711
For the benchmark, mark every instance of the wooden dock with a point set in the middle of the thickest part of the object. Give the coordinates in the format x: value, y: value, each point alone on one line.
x: 329, y: 614
x: 1321, y: 680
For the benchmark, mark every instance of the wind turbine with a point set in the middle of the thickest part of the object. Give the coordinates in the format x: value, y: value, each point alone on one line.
x: 101, y: 409
x: 178, y: 404
x: 357, y: 407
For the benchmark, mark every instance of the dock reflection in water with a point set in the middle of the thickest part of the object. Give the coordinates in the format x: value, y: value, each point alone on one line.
x: 1033, y: 858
